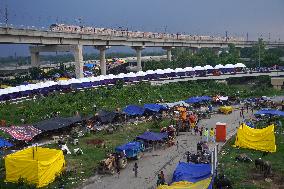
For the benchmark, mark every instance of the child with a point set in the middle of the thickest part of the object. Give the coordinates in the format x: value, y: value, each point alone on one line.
x: 206, y: 135
x: 201, y: 131
x: 212, y: 135
x: 196, y: 130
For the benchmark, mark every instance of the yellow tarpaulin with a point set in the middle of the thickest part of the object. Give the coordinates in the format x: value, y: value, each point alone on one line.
x: 203, y: 184
x: 36, y: 164
x: 226, y: 109
x: 257, y: 139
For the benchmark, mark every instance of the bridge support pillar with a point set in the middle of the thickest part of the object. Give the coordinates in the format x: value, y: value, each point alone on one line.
x: 169, y: 52
x: 102, y: 50
x: 35, y: 59
x: 78, y: 56
x: 216, y: 50
x: 194, y: 50
x: 138, y: 50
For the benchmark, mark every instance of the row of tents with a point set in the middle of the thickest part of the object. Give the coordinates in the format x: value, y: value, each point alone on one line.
x: 50, y: 86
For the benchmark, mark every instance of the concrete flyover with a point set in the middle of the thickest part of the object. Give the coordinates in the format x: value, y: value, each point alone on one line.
x: 62, y: 41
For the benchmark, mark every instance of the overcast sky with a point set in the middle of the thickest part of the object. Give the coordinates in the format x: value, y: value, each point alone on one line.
x: 208, y: 17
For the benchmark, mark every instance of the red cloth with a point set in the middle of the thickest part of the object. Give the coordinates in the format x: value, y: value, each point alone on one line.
x: 25, y: 133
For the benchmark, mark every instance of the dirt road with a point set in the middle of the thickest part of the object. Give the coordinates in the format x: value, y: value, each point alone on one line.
x: 164, y: 159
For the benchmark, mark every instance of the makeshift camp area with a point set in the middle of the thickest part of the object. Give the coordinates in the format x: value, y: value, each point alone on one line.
x: 37, y: 165
x: 257, y: 139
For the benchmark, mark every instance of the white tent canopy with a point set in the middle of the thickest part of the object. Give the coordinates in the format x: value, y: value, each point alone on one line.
x: 208, y: 67
x: 229, y: 66
x: 219, y: 66
x: 240, y: 65
x: 199, y: 68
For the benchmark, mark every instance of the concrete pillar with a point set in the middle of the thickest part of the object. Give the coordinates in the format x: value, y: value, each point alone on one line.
x: 102, y: 50
x: 35, y: 59
x: 138, y: 55
x: 194, y: 50
x: 169, y: 53
x: 216, y: 50
x: 78, y: 55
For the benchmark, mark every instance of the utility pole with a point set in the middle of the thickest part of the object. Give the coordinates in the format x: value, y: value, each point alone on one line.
x: 259, y: 53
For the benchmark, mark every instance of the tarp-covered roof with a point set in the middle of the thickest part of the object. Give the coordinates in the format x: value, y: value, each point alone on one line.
x: 270, y: 112
x: 129, y: 146
x: 154, y: 107
x: 198, y: 99
x: 106, y: 116
x: 4, y: 143
x: 25, y: 133
x: 133, y: 110
x: 152, y: 136
x: 191, y: 172
x: 57, y: 123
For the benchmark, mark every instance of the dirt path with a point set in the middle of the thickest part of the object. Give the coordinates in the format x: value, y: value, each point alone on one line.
x: 153, y: 162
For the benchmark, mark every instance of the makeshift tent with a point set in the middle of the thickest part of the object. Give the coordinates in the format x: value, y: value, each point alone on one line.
x: 270, y: 112
x: 179, y: 103
x: 25, y: 133
x: 4, y: 143
x: 257, y: 139
x: 36, y: 164
x: 154, y: 107
x: 191, y: 172
x: 131, y: 149
x: 106, y: 116
x: 57, y: 123
x: 133, y: 110
x: 198, y: 99
x: 152, y: 136
x: 203, y: 184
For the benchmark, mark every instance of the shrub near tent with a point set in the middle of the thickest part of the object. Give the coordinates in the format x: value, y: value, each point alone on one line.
x: 37, y: 165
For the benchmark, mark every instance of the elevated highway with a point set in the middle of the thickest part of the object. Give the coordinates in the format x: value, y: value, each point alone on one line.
x: 50, y: 41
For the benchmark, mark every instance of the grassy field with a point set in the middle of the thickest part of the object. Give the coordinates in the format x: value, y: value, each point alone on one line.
x: 244, y: 175
x: 83, y: 166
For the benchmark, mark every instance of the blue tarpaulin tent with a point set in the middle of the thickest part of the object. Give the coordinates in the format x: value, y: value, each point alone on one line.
x: 90, y: 65
x: 4, y: 143
x: 154, y: 107
x: 270, y: 112
x: 152, y: 136
x: 133, y: 110
x: 131, y: 149
x: 250, y: 124
x: 191, y: 172
x: 198, y: 99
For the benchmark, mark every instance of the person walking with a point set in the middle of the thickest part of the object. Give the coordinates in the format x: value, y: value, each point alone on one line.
x: 206, y: 135
x: 135, y: 169
x: 201, y: 132
x: 212, y: 135
x: 177, y: 144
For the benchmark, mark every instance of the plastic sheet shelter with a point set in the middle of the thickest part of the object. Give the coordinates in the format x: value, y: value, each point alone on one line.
x: 270, y: 112
x: 106, y: 116
x: 154, y: 107
x: 36, y: 164
x: 134, y: 110
x: 131, y: 149
x: 57, y: 123
x: 226, y: 109
x: 5, y: 143
x: 152, y: 136
x: 203, y: 184
x: 257, y: 139
x: 198, y: 99
x: 191, y: 172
